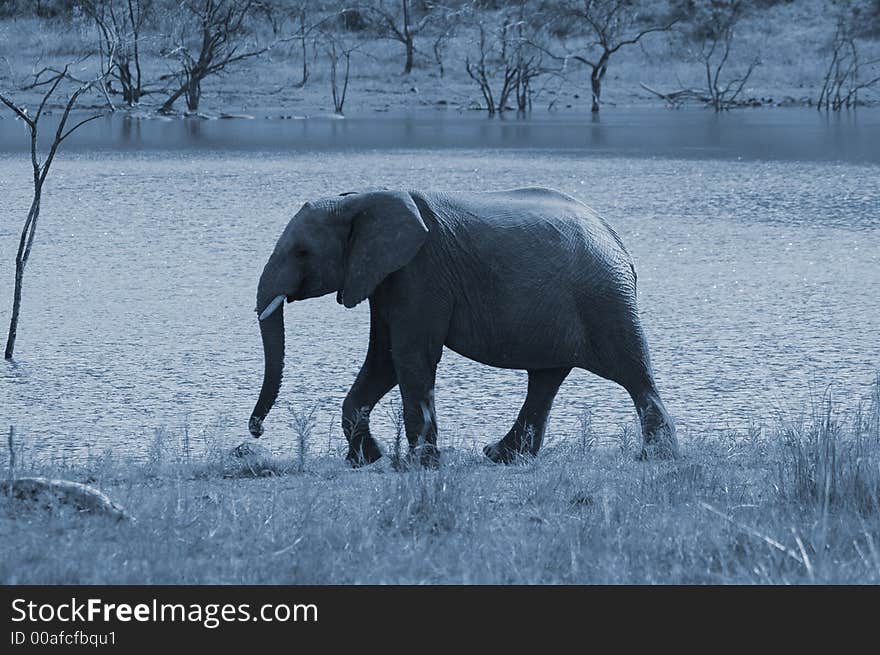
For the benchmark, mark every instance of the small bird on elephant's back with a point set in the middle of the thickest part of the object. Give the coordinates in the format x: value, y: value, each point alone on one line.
x: 525, y: 279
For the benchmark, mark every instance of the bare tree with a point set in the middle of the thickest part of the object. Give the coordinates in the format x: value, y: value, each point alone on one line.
x: 490, y: 65
x: 395, y: 20
x: 527, y: 69
x: 40, y: 171
x: 713, y: 30
x: 527, y: 58
x: 507, y: 60
x: 305, y: 29
x: 446, y: 22
x: 708, y: 37
x: 211, y: 36
x: 847, y: 73
x: 608, y: 26
x: 339, y: 52
x: 307, y: 23
x: 120, y: 24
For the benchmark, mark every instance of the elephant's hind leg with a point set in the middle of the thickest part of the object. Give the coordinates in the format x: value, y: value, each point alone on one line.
x: 658, y: 429
x: 526, y: 435
x: 626, y: 361
x: 375, y: 379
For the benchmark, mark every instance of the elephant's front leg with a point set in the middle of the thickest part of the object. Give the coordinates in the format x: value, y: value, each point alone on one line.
x: 420, y: 420
x: 375, y: 379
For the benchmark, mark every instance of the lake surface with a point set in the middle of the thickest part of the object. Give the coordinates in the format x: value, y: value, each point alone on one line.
x: 770, y: 134
x: 758, y: 257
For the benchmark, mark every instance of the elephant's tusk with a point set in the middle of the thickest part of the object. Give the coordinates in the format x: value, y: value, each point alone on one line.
x: 271, y: 307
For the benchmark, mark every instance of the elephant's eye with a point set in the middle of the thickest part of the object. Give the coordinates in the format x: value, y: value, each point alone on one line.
x: 300, y: 252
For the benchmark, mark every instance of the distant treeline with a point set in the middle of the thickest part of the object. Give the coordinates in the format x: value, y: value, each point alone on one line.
x: 507, y: 45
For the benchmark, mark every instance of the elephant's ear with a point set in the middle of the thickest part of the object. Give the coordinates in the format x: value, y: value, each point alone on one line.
x: 387, y: 231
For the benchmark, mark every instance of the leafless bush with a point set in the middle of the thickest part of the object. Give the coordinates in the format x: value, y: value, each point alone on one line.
x: 707, y: 38
x: 491, y: 64
x: 395, y: 414
x: 446, y: 22
x: 586, y: 436
x: 507, y: 61
x: 302, y: 422
x: 398, y: 20
x: 302, y: 22
x: 210, y: 36
x: 714, y: 34
x: 120, y: 24
x: 847, y: 73
x: 339, y: 51
x: 626, y: 439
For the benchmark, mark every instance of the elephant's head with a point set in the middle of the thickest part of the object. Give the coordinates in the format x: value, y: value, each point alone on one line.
x: 347, y: 244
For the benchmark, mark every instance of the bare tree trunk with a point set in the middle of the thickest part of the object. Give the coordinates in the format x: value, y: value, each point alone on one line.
x: 408, y: 40
x: 302, y: 43
x: 596, y: 76
x: 438, y: 56
x: 710, y: 86
x: 16, y: 308
x: 135, y: 22
x: 407, y: 68
x: 168, y: 106
x: 21, y: 259
x: 193, y: 93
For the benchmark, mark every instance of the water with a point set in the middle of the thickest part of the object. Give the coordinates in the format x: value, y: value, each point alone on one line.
x: 767, y: 134
x: 758, y: 280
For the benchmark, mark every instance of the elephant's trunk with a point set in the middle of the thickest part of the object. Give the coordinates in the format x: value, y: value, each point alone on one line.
x: 272, y: 332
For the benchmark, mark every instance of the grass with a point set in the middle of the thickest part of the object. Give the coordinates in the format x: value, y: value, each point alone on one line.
x: 789, y: 39
x: 795, y: 503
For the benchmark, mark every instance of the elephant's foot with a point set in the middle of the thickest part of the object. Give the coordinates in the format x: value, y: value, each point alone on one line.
x: 658, y: 429
x: 365, y: 452
x: 502, y: 452
x: 424, y: 456
x: 660, y: 444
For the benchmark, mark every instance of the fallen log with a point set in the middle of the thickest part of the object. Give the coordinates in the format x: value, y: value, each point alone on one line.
x: 49, y: 494
x: 678, y: 97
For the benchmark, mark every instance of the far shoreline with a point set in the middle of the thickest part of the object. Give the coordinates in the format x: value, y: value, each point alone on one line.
x: 628, y: 130
x: 608, y: 114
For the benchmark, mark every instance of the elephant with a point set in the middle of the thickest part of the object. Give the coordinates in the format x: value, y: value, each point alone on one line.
x: 527, y: 279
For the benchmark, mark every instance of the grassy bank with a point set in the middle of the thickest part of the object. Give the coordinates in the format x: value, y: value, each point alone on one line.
x: 788, y: 38
x: 798, y: 503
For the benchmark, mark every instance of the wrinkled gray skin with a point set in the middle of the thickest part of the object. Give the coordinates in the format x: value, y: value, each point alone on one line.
x: 526, y: 279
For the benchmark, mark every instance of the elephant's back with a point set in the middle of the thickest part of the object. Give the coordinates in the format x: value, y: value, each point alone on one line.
x: 536, y: 223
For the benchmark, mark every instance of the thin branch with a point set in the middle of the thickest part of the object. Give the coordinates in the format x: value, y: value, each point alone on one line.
x: 56, y: 81
x: 79, y: 125
x: 21, y: 112
x: 643, y: 33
